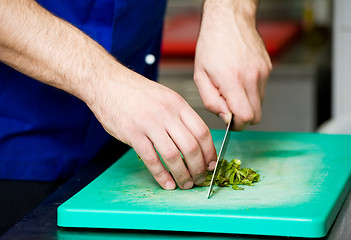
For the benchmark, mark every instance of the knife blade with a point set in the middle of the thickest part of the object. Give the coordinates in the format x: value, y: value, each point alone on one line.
x: 220, y: 156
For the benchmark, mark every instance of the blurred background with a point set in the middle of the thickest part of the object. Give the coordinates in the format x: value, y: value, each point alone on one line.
x: 300, y: 39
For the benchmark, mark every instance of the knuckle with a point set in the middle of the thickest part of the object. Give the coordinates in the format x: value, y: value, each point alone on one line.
x: 196, y: 76
x: 256, y: 120
x: 247, y: 117
x: 270, y: 66
x: 209, y: 103
x: 237, y: 77
x: 192, y: 148
x: 162, y: 108
x: 203, y: 132
x: 160, y: 174
x: 266, y: 72
x: 266, y: 69
x: 254, y: 76
x: 150, y: 159
x: 176, y: 96
x: 198, y: 171
x: 171, y: 155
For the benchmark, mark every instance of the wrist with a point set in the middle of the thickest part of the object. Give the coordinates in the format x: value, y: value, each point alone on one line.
x: 237, y: 8
x: 100, y: 77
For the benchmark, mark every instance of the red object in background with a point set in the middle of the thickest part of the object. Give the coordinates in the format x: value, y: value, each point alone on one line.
x: 277, y: 35
x: 181, y: 33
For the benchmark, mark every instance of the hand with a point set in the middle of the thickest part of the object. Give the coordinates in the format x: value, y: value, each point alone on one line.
x: 231, y: 62
x: 149, y: 116
x: 133, y: 109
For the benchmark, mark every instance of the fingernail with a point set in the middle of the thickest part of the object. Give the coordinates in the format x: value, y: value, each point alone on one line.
x: 188, y: 185
x: 211, y: 165
x: 200, y: 180
x: 225, y: 117
x: 170, y: 185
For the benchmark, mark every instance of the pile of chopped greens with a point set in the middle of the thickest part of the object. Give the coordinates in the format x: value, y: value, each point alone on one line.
x: 231, y: 174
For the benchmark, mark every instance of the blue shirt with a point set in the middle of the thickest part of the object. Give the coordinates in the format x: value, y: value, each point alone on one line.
x: 47, y: 134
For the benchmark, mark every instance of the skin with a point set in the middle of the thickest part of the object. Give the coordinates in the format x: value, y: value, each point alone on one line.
x: 133, y: 109
x: 231, y: 63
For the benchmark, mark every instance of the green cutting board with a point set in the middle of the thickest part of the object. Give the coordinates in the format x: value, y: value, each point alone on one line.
x: 305, y: 177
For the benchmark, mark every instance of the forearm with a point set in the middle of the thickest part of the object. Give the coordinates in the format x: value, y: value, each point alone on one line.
x: 46, y: 48
x: 247, y: 8
x: 133, y: 109
x: 230, y: 11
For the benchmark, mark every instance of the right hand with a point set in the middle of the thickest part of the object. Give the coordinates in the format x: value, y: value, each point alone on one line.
x: 149, y: 116
x: 232, y: 65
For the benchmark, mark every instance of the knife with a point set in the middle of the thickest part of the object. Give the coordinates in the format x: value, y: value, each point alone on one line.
x: 220, y: 156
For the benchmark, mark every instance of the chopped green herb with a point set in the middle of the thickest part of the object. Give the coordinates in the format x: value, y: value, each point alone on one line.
x: 231, y: 174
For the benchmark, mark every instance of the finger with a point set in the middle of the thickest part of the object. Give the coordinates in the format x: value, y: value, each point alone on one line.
x: 262, y: 89
x: 239, y: 104
x: 265, y: 72
x: 210, y: 95
x: 202, y: 134
x: 254, y: 96
x: 172, y: 158
x: 145, y: 149
x: 191, y: 151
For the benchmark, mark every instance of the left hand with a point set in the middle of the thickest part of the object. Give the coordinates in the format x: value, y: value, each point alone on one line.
x: 231, y: 63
